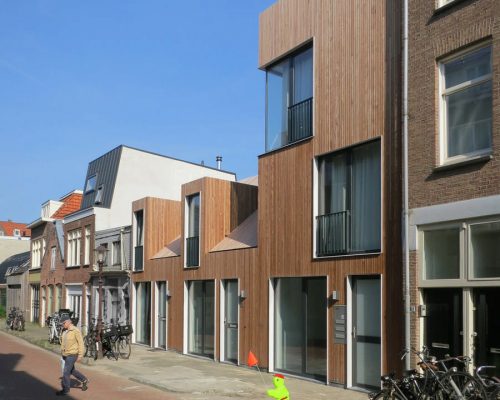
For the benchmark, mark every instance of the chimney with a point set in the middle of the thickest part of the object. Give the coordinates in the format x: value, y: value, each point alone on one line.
x: 218, y: 159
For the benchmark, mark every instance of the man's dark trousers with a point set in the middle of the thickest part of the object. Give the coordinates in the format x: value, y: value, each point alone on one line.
x: 69, y: 369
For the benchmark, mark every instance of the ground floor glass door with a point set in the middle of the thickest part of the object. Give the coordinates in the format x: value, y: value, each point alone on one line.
x: 35, y: 303
x: 143, y: 313
x: 162, y: 314
x: 366, y: 331
x: 300, y: 314
x: 231, y: 321
x: 201, y: 315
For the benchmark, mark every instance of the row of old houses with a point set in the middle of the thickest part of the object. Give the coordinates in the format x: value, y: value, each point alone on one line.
x: 373, y: 223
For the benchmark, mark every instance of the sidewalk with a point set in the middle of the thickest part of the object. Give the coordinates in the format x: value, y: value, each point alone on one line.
x: 193, y: 378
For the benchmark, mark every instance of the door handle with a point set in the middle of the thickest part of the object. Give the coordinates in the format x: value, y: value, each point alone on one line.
x: 354, y: 332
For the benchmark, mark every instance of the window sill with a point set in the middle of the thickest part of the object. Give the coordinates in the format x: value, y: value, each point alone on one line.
x: 360, y: 254
x: 287, y: 146
x: 192, y: 267
x: 35, y: 268
x: 72, y: 266
x: 463, y: 162
x: 445, y: 7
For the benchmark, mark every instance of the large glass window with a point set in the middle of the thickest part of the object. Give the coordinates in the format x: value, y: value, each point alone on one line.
x: 201, y: 315
x: 143, y: 313
x: 74, y: 243
x: 485, y: 250
x: 289, y: 95
x: 139, y: 241
x: 300, y: 326
x: 349, y: 209
x: 467, y: 104
x: 442, y: 254
x: 193, y: 231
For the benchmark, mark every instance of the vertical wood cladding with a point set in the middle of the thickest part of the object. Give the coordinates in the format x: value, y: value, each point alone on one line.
x: 217, y: 211
x: 356, y: 47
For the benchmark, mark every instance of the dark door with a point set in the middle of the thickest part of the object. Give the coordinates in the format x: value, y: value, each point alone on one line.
x: 365, y: 331
x: 487, y: 327
x: 231, y: 321
x: 443, y: 321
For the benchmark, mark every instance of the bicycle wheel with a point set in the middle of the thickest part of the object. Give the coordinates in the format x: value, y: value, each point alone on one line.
x: 386, y: 395
x: 90, y: 347
x: 123, y: 347
x: 461, y: 385
x: 20, y: 324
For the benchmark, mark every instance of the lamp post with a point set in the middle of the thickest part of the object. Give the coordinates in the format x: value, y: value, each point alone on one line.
x: 100, y: 255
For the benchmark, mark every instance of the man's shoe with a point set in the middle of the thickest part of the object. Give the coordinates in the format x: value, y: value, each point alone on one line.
x: 85, y: 384
x: 62, y: 393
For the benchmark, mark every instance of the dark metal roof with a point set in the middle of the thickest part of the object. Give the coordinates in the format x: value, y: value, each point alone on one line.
x: 105, y: 169
x: 15, y: 261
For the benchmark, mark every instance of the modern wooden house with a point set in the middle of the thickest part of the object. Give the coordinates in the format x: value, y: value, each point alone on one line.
x: 454, y: 177
x: 195, y: 261
x: 329, y: 251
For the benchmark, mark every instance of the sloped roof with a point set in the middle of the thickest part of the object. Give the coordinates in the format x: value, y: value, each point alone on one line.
x: 251, y: 180
x: 243, y: 237
x: 173, y: 249
x: 14, y: 262
x: 71, y: 203
x: 8, y: 228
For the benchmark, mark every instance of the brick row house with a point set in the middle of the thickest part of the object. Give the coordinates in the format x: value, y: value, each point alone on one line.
x: 46, y: 273
x: 454, y: 177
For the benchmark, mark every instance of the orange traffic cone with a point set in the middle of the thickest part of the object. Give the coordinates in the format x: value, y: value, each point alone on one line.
x: 252, y: 360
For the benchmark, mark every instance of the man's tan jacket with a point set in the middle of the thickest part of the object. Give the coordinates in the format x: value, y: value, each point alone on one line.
x: 72, y: 342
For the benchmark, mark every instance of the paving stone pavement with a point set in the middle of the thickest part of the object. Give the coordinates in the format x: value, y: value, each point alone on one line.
x: 194, y: 378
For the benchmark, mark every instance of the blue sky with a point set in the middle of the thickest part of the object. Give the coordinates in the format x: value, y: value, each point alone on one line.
x: 77, y: 79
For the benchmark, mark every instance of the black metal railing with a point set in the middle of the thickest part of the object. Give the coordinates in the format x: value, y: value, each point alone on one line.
x: 192, y: 251
x: 138, y: 258
x: 333, y: 235
x: 300, y: 120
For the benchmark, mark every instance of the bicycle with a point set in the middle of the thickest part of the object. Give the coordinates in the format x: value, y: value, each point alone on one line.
x: 15, y: 319
x: 491, y: 384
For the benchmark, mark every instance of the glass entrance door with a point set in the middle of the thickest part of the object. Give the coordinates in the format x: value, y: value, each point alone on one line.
x: 162, y: 314
x: 201, y: 315
x: 143, y: 313
x: 231, y: 321
x: 300, y: 326
x: 486, y: 327
x: 365, y: 331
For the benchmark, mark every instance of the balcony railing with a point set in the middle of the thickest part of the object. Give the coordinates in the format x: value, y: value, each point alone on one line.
x: 138, y: 258
x: 192, y: 251
x: 333, y: 234
x: 300, y: 120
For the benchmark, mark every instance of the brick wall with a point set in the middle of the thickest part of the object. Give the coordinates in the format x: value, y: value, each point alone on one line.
x: 433, y: 35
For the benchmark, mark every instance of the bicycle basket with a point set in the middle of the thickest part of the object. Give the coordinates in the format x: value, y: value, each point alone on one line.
x: 110, y: 332
x: 125, y: 330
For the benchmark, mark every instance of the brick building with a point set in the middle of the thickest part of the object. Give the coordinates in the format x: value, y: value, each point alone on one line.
x: 454, y: 177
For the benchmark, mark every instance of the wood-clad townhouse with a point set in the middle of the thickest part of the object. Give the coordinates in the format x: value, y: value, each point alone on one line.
x: 113, y: 181
x: 329, y: 246
x: 195, y: 265
x: 46, y: 291
x: 454, y: 177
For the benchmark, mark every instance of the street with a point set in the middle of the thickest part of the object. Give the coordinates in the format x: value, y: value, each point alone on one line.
x: 28, y: 372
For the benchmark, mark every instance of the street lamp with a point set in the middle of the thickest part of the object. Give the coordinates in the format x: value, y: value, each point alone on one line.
x: 100, y: 256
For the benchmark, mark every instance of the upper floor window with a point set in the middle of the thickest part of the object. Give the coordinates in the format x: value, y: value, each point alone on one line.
x: 37, y: 249
x: 74, y: 245
x: 193, y: 230
x: 88, y: 249
x: 116, y: 254
x: 53, y: 258
x: 91, y: 182
x: 466, y: 105
x: 349, y: 209
x: 139, y: 241
x: 289, y: 92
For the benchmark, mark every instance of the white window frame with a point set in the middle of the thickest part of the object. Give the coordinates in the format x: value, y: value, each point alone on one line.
x: 53, y: 258
x: 36, y: 253
x: 444, y: 93
x: 442, y: 3
x: 116, y: 254
x: 74, y: 244
x: 466, y: 274
x: 86, y: 260
x: 17, y: 232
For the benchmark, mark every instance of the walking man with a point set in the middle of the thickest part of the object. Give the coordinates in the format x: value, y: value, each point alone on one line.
x: 71, y: 351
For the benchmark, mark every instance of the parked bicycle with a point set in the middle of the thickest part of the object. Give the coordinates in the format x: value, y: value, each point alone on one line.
x: 15, y: 319
x: 438, y: 380
x: 55, y: 327
x: 490, y: 383
x: 115, y: 341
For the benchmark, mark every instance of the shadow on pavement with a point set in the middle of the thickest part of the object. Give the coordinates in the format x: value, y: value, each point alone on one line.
x: 19, y: 385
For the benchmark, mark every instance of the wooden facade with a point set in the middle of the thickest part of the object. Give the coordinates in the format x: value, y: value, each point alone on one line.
x: 356, y: 98
x: 223, y: 206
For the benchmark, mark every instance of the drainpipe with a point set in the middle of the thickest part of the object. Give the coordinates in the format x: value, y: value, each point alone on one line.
x: 406, y: 289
